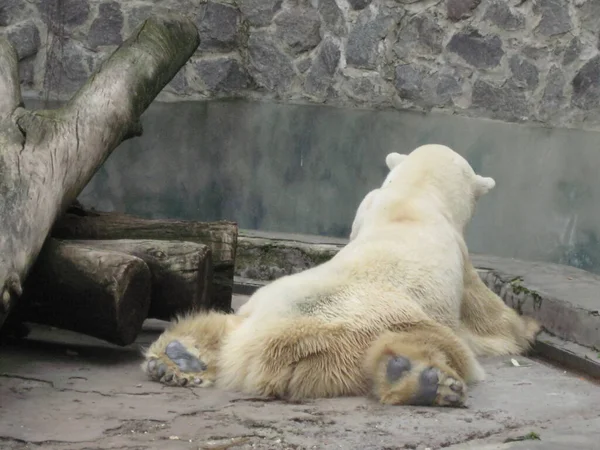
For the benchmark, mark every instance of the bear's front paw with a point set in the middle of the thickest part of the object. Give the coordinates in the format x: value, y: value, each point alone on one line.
x: 414, y: 383
x: 177, y: 366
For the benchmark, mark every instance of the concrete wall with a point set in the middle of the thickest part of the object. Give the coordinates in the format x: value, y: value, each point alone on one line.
x: 304, y: 169
x: 514, y: 60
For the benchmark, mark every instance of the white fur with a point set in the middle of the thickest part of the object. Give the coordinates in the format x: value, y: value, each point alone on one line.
x: 404, y: 285
x: 393, y: 270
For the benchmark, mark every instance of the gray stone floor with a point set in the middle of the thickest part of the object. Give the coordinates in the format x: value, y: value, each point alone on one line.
x: 63, y: 391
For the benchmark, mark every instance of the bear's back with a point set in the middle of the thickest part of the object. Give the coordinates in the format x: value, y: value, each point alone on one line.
x: 391, y: 275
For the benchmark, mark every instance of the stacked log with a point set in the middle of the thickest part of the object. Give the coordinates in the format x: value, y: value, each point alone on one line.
x: 103, y: 274
x: 106, y: 288
x: 220, y: 237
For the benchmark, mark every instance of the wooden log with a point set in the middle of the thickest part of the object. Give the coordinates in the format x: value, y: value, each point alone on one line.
x: 181, y: 272
x: 47, y: 157
x: 93, y: 291
x: 220, y: 237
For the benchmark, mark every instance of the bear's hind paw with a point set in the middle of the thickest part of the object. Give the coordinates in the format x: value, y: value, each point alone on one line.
x: 413, y: 383
x: 177, y: 366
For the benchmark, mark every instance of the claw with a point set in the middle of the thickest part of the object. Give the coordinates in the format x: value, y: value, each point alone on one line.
x: 456, y: 387
x: 452, y: 399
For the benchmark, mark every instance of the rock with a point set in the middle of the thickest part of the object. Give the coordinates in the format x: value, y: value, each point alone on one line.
x: 506, y: 102
x: 589, y: 16
x: 70, y: 13
x: 67, y: 67
x: 25, y: 38
x: 447, y: 85
x: 359, y: 4
x: 259, y: 13
x: 555, y: 17
x: 586, y: 85
x: 303, y: 64
x: 138, y: 14
x: 299, y: 28
x: 436, y: 89
x: 106, y: 28
x: 361, y: 49
x: 524, y: 73
x: 320, y: 75
x: 223, y: 74
x: 369, y: 88
x: 572, y: 51
x: 327, y: 59
x: 482, y: 52
x: 26, y: 72
x: 179, y: 83
x: 332, y: 17
x: 553, y: 96
x: 408, y: 81
x: 460, y: 9
x: 500, y: 14
x: 11, y: 11
x: 218, y: 27
x: 535, y: 52
x: 269, y: 66
x: 420, y: 34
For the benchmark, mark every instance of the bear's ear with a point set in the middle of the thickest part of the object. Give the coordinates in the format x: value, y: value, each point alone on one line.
x: 393, y: 159
x: 484, y: 185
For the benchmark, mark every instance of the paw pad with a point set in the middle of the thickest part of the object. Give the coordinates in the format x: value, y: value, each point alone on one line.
x: 397, y: 367
x: 186, y: 362
x: 177, y: 367
x: 428, y: 387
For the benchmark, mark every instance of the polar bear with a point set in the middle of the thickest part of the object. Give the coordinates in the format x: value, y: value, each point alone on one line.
x: 488, y: 326
x: 395, y: 314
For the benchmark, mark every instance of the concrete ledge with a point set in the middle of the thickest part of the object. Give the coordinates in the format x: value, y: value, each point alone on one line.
x: 265, y: 256
x: 564, y: 299
x: 568, y: 354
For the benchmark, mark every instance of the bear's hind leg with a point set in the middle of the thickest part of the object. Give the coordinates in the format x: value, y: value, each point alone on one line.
x: 186, y: 353
x: 488, y: 325
x: 295, y: 359
x: 425, y: 365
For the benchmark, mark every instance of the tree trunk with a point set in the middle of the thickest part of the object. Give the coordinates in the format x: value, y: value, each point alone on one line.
x: 220, y: 237
x: 181, y: 272
x: 48, y: 156
x: 97, y: 292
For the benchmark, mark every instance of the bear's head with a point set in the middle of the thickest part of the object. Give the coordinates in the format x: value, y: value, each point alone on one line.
x: 440, y: 175
x: 432, y: 172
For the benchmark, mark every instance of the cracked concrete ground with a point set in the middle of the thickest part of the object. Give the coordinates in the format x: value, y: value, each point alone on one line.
x: 63, y: 391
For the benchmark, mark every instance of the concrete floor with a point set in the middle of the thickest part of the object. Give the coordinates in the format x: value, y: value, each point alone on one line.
x: 63, y: 391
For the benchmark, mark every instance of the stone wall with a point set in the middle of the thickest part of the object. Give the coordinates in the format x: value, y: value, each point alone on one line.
x: 531, y: 61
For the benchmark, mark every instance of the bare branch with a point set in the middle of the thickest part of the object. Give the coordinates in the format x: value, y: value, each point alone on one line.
x: 63, y: 148
x: 10, y: 89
